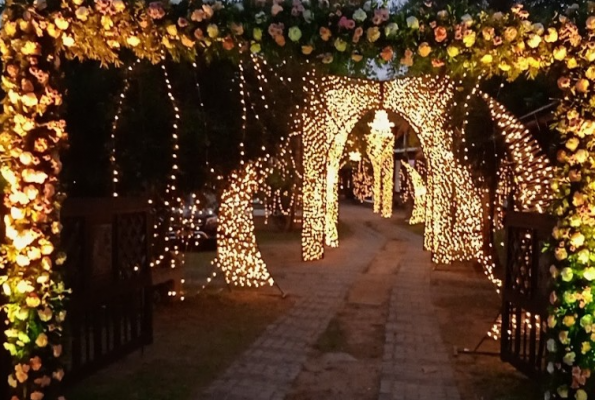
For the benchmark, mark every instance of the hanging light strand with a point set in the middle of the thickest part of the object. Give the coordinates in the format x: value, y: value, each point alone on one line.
x: 242, y: 87
x: 115, y: 170
x: 174, y: 225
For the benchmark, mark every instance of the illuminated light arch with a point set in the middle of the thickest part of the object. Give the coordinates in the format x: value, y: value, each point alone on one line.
x: 532, y: 170
x: 238, y: 255
x: 418, y: 215
x: 524, y: 177
x: 453, y: 206
x: 335, y: 106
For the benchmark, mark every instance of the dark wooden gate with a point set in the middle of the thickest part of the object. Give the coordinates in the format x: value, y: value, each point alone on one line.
x: 526, y: 291
x: 108, y: 269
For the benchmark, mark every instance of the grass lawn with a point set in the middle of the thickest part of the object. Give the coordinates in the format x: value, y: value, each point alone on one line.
x: 195, y: 340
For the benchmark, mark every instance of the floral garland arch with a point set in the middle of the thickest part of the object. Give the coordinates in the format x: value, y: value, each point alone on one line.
x: 35, y: 34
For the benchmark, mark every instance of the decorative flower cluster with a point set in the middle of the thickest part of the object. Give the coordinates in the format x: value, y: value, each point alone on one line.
x: 30, y: 140
x: 34, y: 36
x: 507, y: 44
x: 572, y: 345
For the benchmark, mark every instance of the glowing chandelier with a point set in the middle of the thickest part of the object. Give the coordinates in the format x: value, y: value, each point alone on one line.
x: 381, y: 144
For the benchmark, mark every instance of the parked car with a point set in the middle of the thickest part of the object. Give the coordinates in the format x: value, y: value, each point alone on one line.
x: 258, y: 208
x: 197, y: 232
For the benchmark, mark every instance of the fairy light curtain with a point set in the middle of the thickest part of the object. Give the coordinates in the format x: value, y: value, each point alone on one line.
x: 423, y: 102
x: 418, y: 194
x: 238, y: 255
x: 333, y: 108
x: 166, y: 251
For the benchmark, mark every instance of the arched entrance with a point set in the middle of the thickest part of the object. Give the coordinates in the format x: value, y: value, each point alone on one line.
x: 479, y: 42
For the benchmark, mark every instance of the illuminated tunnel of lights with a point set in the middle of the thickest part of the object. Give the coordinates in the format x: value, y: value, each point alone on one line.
x: 335, y: 106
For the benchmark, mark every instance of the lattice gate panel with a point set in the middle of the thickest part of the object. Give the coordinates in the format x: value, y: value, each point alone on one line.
x: 525, y: 292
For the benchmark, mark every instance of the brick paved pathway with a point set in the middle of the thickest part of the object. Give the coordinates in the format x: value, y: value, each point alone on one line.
x: 268, y: 368
x: 415, y: 364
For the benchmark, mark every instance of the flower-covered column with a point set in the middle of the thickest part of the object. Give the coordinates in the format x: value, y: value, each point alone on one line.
x: 30, y: 142
x: 572, y: 314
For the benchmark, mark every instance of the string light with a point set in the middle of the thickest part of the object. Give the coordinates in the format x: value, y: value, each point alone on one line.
x: 284, y: 163
x: 533, y: 171
x: 242, y: 86
x: 119, y: 108
x: 418, y: 194
x: 333, y: 108
x: 362, y: 182
x: 175, y: 226
x: 453, y: 205
x: 238, y: 256
x: 380, y: 148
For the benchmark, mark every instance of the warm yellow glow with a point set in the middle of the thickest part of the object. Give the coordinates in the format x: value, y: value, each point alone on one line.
x: 418, y: 194
x: 508, y: 45
x: 453, y: 212
x: 355, y: 156
x: 533, y: 172
x: 381, y: 125
x: 333, y: 108
x: 332, y: 189
x: 238, y: 255
x: 380, y: 148
x: 454, y: 208
x: 362, y: 182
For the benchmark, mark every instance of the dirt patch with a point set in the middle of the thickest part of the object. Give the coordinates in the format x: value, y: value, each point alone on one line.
x: 345, y: 362
x: 466, y: 305
x: 194, y: 341
x: 372, y: 290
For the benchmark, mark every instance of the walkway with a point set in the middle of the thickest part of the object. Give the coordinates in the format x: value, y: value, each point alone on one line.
x: 415, y: 364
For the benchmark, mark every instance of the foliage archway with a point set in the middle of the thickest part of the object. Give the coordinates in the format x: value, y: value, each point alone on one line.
x: 36, y: 34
